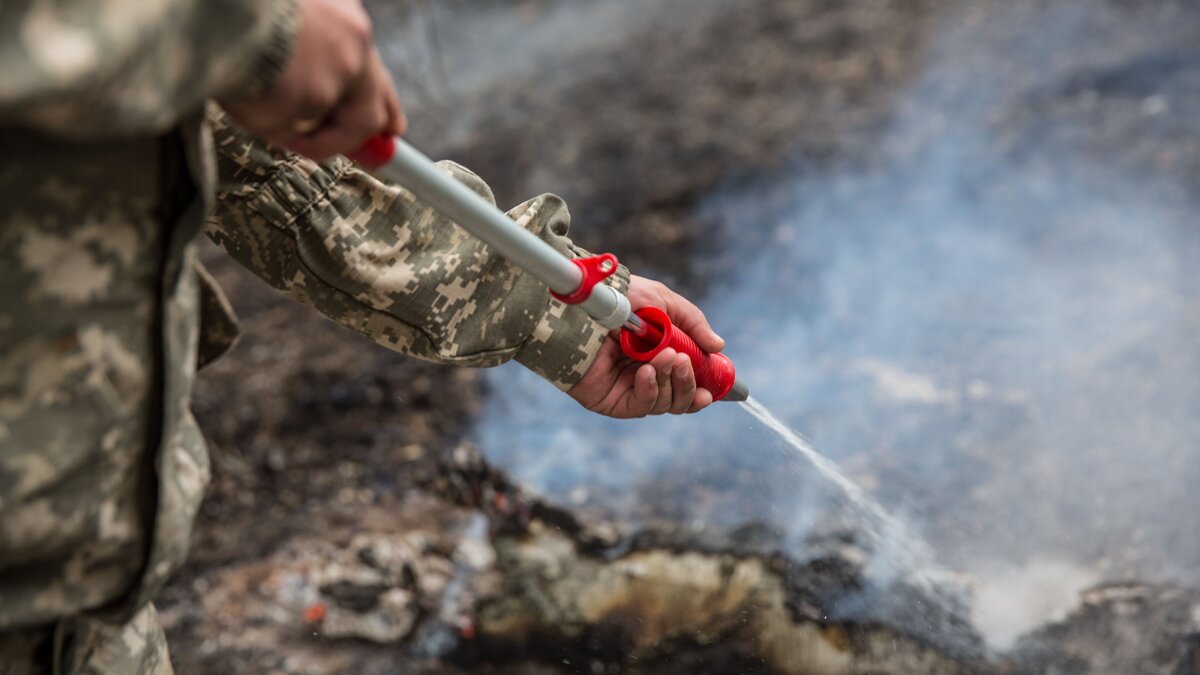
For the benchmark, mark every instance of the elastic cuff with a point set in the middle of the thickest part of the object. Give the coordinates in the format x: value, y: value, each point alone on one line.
x: 566, y: 340
x: 293, y: 188
x: 563, y: 345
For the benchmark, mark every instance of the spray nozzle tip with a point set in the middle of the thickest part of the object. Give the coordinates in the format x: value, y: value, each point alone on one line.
x: 739, y: 392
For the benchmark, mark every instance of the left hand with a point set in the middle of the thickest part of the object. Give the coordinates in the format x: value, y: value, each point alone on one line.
x: 334, y: 92
x: 619, y: 387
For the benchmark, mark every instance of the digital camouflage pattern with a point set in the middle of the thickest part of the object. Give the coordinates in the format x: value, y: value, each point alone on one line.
x: 109, y: 68
x: 88, y: 646
x: 373, y: 258
x: 102, y: 466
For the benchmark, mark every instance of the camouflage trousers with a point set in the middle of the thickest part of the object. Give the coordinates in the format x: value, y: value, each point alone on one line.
x: 87, y: 646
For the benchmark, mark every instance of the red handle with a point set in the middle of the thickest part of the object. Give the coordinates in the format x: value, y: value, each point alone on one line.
x: 376, y: 152
x: 714, y: 372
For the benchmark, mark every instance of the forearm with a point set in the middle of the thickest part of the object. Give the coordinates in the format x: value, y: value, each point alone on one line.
x: 371, y: 257
x: 84, y: 68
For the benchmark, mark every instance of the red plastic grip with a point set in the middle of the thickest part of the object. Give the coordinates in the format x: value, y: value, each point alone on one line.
x: 376, y: 152
x: 714, y: 372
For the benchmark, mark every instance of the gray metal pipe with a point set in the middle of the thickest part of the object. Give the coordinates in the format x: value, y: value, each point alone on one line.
x: 399, y: 162
x: 416, y: 172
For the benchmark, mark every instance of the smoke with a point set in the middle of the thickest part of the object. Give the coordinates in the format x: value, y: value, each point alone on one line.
x: 1009, y: 602
x: 990, y: 323
x: 443, y: 53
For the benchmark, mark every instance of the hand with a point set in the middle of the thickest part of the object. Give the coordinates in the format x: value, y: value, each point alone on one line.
x: 333, y: 94
x: 618, y: 387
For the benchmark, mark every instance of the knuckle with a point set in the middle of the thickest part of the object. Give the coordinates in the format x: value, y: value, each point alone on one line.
x: 318, y: 100
x: 360, y: 24
x: 356, y: 22
x: 378, y: 117
x: 353, y: 60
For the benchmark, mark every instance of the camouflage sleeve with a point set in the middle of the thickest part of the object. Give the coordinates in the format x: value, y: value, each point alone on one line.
x: 90, y: 68
x: 368, y: 255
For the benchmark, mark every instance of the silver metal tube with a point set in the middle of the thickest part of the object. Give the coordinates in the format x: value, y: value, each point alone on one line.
x: 635, y: 325
x: 416, y: 172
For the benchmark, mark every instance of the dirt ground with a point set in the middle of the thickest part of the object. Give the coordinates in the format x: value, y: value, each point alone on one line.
x: 318, y: 435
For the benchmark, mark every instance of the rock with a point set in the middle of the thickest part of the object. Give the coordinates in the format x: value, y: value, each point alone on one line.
x: 648, y: 606
x: 578, y: 588
x: 390, y: 618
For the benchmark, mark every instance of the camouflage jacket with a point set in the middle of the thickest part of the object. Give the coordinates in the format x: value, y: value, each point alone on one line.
x: 107, y: 175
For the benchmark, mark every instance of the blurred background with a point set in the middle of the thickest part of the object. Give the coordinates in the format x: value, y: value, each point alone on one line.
x: 954, y: 242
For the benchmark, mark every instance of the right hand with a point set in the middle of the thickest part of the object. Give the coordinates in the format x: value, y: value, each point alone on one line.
x: 333, y: 94
x: 617, y: 387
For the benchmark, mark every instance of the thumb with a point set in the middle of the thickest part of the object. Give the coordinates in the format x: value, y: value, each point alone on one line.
x: 688, y: 318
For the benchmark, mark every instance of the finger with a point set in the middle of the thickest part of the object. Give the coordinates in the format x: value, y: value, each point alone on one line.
x: 692, y: 321
x: 365, y: 111
x: 662, y: 402
x: 664, y: 361
x: 664, y: 364
x: 702, y: 400
x: 299, y: 120
x: 645, y: 391
x: 598, y: 389
x: 397, y: 121
x: 683, y: 385
x: 362, y: 116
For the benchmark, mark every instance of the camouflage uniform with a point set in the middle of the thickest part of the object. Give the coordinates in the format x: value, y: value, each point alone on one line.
x: 110, y: 165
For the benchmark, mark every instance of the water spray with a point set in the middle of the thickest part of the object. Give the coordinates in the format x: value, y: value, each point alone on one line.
x: 645, y: 333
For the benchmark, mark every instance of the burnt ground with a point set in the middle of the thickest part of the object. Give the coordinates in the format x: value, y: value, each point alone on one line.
x: 317, y: 434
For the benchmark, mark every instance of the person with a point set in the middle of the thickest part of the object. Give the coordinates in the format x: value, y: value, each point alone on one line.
x: 126, y: 129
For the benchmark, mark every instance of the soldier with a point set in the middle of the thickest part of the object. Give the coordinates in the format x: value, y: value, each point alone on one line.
x: 113, y: 157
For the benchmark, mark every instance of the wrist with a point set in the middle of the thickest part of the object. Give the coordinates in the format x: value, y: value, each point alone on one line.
x: 566, y: 341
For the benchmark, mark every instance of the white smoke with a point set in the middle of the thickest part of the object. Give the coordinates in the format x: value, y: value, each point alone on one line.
x: 991, y: 323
